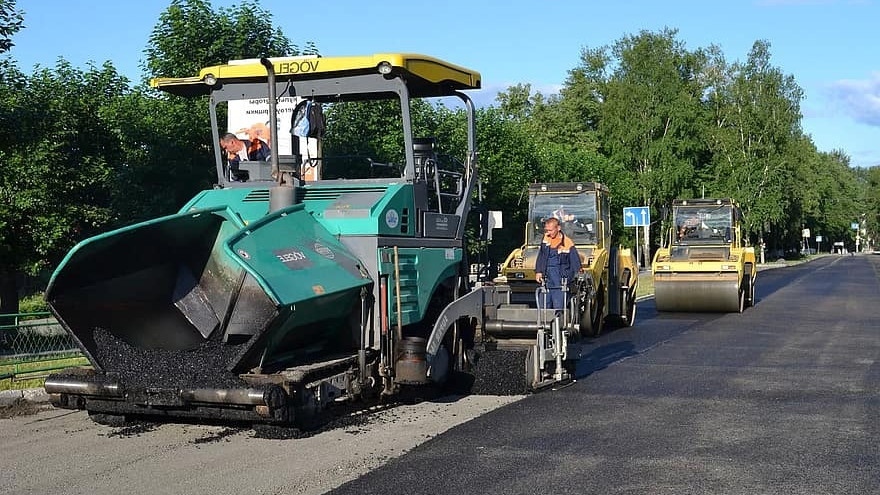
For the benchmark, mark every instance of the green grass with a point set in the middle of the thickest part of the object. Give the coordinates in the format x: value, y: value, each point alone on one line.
x: 646, y: 285
x: 18, y: 375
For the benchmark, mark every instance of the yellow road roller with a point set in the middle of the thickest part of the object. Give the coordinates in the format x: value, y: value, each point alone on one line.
x: 704, y: 264
x: 609, y: 273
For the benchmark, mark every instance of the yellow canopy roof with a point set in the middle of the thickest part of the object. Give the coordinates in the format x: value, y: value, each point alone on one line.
x: 424, y: 74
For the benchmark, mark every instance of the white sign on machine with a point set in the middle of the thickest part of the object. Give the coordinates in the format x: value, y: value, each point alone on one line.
x: 249, y: 119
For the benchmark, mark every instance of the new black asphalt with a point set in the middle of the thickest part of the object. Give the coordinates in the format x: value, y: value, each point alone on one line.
x: 781, y: 399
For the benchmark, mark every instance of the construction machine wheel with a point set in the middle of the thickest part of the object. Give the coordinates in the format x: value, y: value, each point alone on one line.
x: 592, y: 317
x: 742, y: 300
x: 628, y: 315
x: 694, y: 295
x: 750, y: 296
x: 749, y: 287
x: 532, y: 371
x: 462, y: 357
x: 570, y: 367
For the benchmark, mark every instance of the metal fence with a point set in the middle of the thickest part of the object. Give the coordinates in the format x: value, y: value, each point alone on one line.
x: 32, y: 345
x: 33, y: 334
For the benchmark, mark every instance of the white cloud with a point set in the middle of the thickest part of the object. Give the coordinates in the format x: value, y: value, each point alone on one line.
x: 858, y: 99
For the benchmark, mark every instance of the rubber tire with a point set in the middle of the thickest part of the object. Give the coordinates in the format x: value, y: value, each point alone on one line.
x: 570, y: 367
x: 750, y: 295
x: 628, y: 318
x: 742, y: 300
x: 592, y: 319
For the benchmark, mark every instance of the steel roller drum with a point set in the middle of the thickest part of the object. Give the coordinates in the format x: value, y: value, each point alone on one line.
x: 688, y: 292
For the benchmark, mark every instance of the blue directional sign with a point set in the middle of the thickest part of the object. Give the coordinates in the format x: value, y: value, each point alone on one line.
x: 636, y: 216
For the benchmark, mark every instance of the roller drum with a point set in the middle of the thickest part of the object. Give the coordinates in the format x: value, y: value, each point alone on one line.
x: 693, y: 294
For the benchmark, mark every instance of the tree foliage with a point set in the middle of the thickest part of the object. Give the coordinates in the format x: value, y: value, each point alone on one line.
x: 650, y: 118
x: 11, y: 21
x: 84, y: 150
x: 59, y: 166
x: 191, y: 35
x: 754, y: 139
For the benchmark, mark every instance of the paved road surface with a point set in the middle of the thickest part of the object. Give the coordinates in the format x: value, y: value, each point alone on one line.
x: 782, y: 399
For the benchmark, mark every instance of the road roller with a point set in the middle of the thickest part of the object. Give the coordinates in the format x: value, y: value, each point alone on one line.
x: 297, y: 283
x: 705, y: 264
x: 512, y: 319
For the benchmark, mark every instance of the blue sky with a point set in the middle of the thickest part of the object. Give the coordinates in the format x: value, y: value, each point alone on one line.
x: 829, y: 46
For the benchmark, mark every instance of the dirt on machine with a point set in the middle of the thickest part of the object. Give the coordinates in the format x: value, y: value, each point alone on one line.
x: 704, y: 264
x: 515, y: 326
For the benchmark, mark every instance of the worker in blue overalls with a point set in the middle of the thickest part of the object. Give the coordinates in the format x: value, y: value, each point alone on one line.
x: 558, y: 260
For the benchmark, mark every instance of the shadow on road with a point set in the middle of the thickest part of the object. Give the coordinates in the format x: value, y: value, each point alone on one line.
x: 603, y: 356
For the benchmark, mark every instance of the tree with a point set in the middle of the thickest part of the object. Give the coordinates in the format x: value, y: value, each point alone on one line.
x: 870, y: 178
x: 168, y: 138
x: 11, y: 21
x: 582, y: 98
x: 190, y: 35
x: 55, y: 185
x: 562, y: 132
x: 83, y: 152
x: 10, y: 82
x: 756, y: 125
x: 651, y: 117
x: 650, y: 113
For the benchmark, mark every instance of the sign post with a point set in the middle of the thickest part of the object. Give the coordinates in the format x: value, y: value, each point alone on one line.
x: 638, y: 216
x: 855, y: 226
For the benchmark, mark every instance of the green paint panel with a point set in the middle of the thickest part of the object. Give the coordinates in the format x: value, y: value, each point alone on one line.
x: 350, y: 209
x: 362, y: 209
x: 295, y: 259
x: 420, y: 271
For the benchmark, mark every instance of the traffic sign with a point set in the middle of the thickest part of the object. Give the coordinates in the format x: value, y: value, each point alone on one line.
x: 636, y: 216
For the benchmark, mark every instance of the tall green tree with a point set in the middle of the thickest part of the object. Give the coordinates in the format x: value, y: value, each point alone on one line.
x: 582, y: 97
x: 870, y: 177
x: 840, y: 197
x: 650, y: 119
x: 169, y: 137
x: 84, y: 152
x: 55, y: 185
x: 11, y: 81
x: 191, y: 35
x: 753, y: 138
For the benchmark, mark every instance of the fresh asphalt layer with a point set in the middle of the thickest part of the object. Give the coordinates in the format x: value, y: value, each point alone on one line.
x: 781, y: 399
